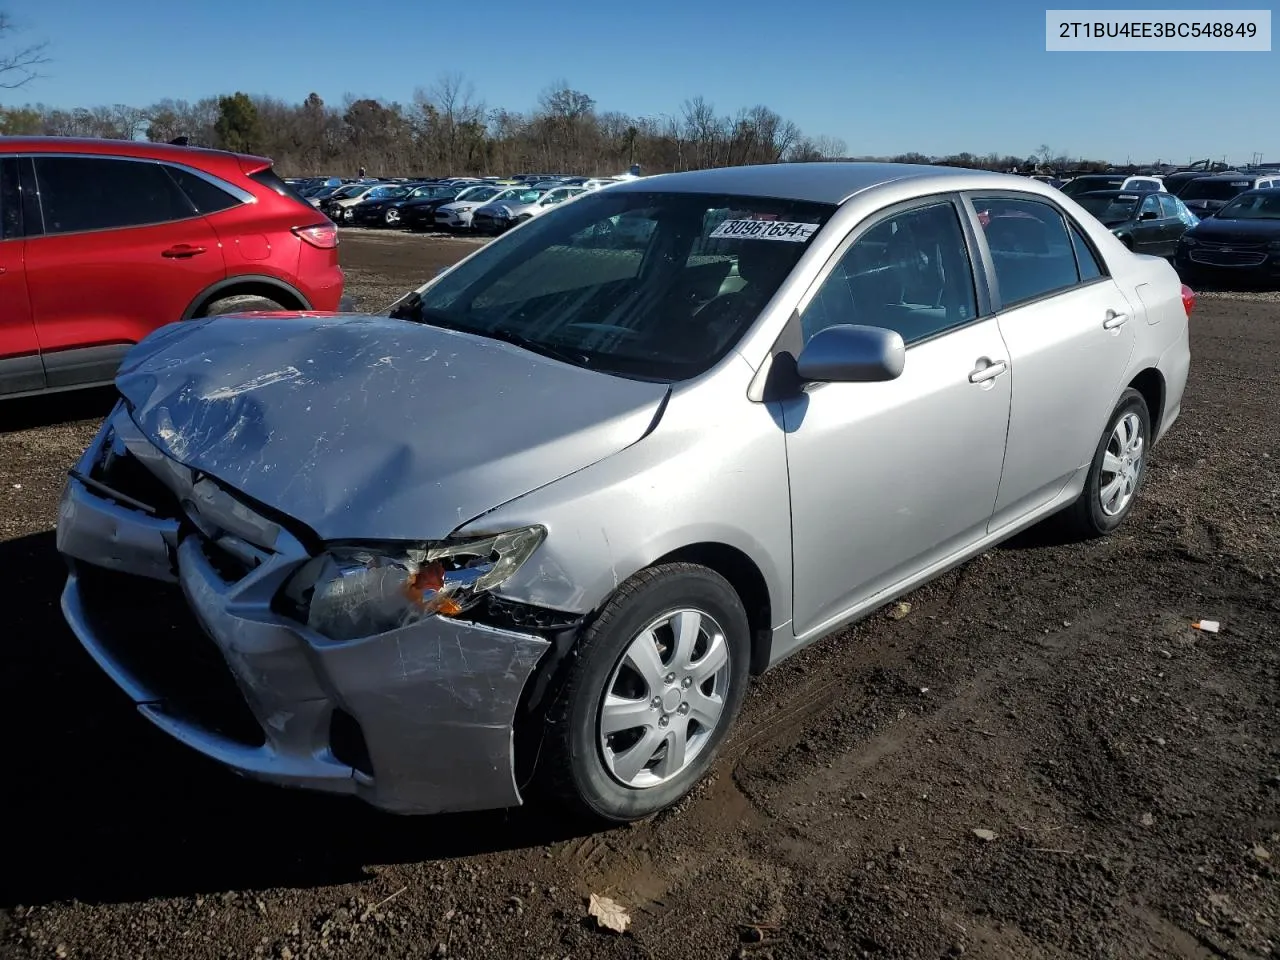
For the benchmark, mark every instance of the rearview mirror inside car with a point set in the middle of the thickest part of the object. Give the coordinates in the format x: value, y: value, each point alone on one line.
x: 848, y: 353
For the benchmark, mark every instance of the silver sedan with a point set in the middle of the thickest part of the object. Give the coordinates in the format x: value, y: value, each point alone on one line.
x: 542, y: 522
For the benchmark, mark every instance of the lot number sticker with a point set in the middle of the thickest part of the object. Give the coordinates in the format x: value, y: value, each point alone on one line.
x: 764, y: 230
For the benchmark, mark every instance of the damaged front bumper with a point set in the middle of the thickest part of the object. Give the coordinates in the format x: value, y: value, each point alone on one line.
x: 172, y: 590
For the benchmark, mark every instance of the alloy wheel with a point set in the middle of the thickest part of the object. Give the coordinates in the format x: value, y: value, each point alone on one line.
x: 1121, y: 465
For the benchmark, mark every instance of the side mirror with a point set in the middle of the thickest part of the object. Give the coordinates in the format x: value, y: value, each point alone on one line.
x: 1148, y: 215
x: 847, y: 353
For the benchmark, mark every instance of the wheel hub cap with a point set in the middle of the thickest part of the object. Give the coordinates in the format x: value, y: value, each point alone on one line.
x: 665, y: 698
x: 1122, y: 463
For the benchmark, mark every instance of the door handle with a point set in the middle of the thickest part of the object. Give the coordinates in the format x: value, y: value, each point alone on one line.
x: 182, y: 250
x: 982, y: 373
x: 1114, y: 320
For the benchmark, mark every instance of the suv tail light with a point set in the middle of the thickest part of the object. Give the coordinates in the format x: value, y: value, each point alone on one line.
x: 325, y: 235
x: 1188, y: 300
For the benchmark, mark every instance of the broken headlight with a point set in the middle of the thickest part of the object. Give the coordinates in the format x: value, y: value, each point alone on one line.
x: 350, y: 592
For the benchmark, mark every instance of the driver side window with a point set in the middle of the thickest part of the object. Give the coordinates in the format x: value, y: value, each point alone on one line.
x: 1150, y: 207
x: 910, y: 273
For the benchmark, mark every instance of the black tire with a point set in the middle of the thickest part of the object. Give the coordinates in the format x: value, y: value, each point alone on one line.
x: 1086, y: 518
x: 245, y: 303
x: 572, y: 769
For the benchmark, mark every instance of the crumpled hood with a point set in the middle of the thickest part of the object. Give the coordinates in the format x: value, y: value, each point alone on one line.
x: 369, y: 428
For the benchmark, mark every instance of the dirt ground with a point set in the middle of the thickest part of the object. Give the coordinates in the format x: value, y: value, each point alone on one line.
x: 1126, y: 766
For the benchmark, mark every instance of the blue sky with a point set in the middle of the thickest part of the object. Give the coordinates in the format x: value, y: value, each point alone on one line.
x: 934, y: 76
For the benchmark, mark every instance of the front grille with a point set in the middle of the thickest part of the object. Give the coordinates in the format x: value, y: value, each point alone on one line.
x: 124, y: 473
x: 1228, y: 258
x: 150, y: 630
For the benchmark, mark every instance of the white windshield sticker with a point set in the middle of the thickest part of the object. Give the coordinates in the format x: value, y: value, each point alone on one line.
x: 764, y: 230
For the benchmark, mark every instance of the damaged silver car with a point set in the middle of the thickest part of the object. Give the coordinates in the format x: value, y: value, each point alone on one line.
x: 537, y: 526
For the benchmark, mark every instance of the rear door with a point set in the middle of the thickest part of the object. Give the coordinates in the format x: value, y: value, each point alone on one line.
x: 121, y: 250
x: 20, y: 366
x: 1148, y: 228
x: 1171, y: 221
x: 1070, y: 334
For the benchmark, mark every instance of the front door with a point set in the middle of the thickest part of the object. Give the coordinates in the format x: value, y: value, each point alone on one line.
x: 1070, y: 334
x: 123, y: 252
x: 888, y: 478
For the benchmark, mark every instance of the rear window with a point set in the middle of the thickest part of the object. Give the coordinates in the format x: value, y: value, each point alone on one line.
x: 1207, y: 189
x: 207, y: 197
x: 271, y: 180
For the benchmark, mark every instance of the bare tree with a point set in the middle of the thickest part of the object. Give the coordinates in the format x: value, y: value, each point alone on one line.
x: 448, y: 131
x: 18, y: 67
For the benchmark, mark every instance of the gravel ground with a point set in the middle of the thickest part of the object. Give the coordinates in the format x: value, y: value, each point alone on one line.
x: 1042, y: 759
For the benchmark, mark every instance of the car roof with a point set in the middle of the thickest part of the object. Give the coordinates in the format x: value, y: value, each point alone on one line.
x: 820, y: 182
x: 1120, y: 193
x: 143, y: 149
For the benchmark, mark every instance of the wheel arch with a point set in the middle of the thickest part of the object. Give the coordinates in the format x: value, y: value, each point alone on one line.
x: 1150, y: 383
x: 248, y: 284
x: 747, y: 581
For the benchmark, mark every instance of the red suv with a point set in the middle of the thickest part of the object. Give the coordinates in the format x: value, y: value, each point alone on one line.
x: 103, y: 241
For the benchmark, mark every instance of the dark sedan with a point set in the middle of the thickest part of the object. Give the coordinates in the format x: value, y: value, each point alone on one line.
x: 1204, y: 195
x: 1144, y: 222
x: 1241, y: 240
x: 418, y: 212
x: 381, y: 208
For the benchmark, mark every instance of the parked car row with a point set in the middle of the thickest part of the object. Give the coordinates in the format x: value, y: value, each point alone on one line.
x: 1211, y: 223
x: 444, y: 203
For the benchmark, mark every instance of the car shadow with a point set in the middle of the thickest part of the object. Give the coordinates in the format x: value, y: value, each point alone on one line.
x: 26, y: 413
x: 112, y: 810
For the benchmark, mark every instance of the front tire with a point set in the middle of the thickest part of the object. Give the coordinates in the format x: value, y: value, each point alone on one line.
x: 1118, y: 470
x: 649, y: 694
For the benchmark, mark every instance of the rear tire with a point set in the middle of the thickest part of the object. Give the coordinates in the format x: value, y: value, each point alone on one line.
x: 1117, y: 473
x: 245, y: 303
x: 665, y: 667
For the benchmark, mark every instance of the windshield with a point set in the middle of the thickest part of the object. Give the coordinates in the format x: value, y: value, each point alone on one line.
x: 351, y: 190
x: 1109, y: 207
x: 432, y: 192
x: 479, y: 194
x: 524, y: 196
x: 1253, y: 206
x: 1206, y: 189
x: 559, y: 195
x: 648, y: 285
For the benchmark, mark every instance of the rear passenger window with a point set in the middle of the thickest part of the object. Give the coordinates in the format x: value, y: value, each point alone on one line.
x: 1168, y: 206
x: 1086, y: 260
x: 1030, y: 248
x: 206, y: 197
x: 910, y: 273
x: 97, y: 193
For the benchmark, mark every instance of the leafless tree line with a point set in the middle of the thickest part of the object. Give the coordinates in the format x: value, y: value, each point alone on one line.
x: 446, y: 129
